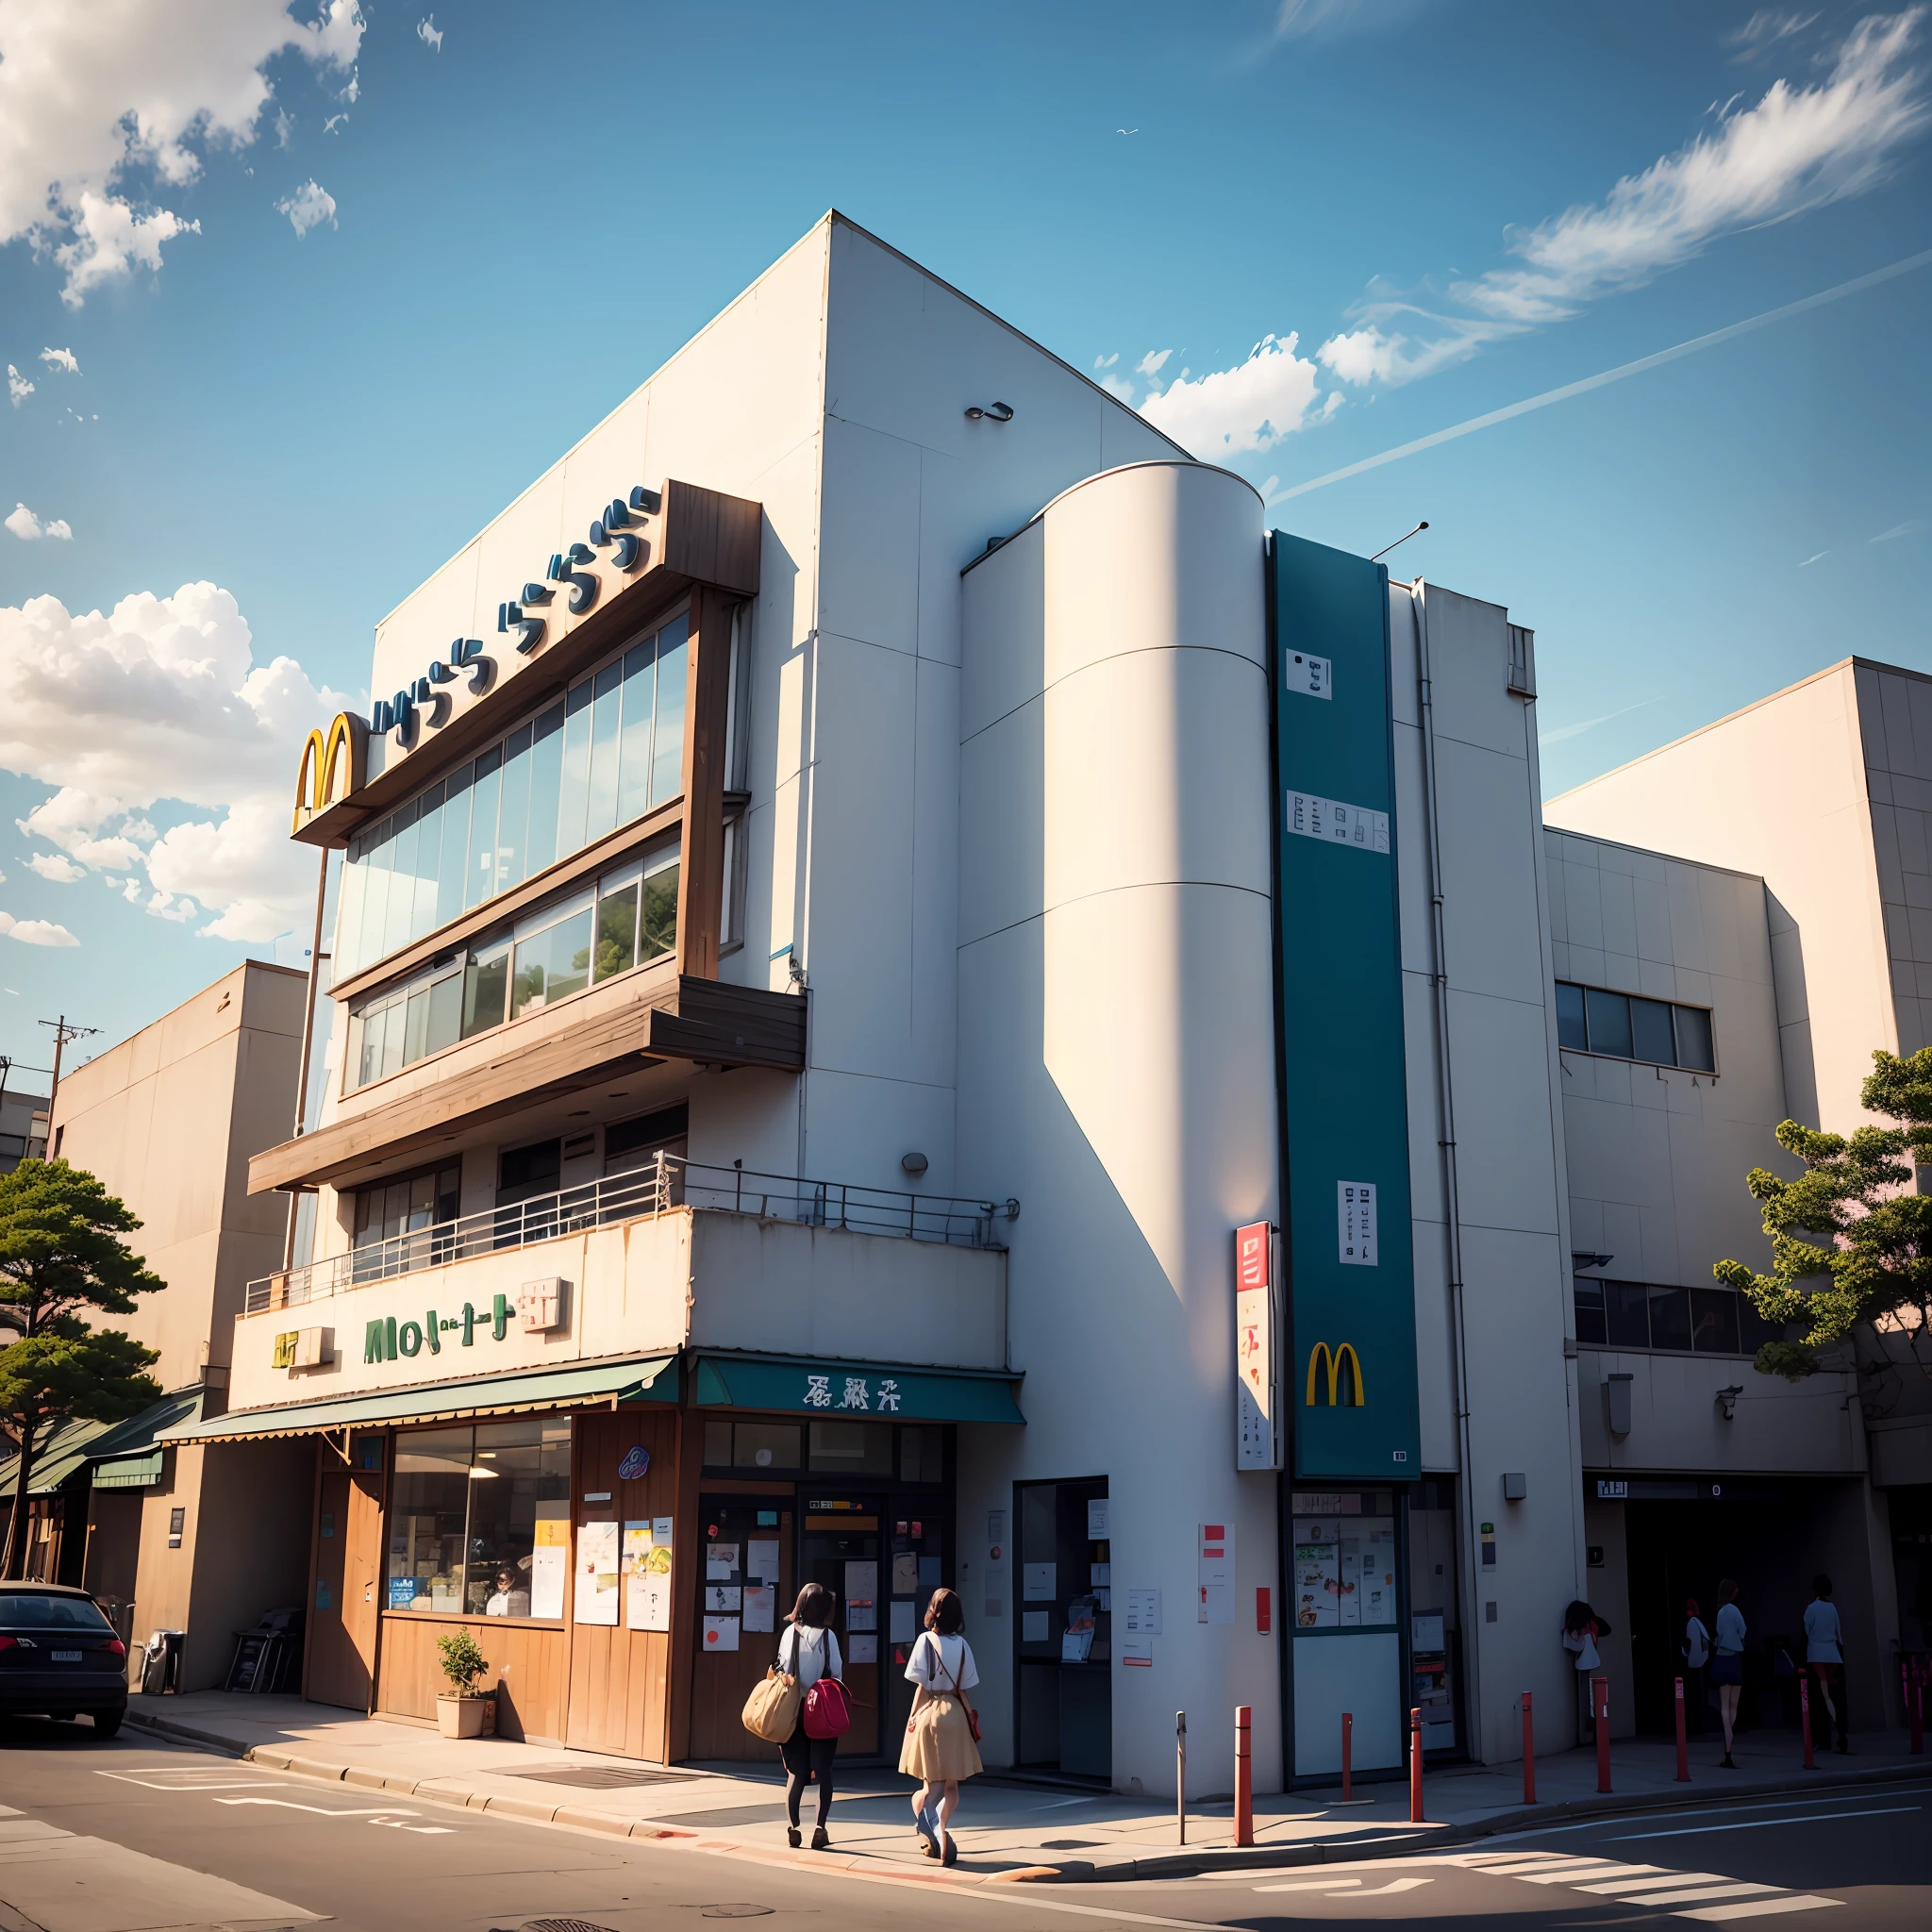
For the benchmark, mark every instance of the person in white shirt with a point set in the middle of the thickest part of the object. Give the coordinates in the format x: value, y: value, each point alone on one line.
x: 1696, y: 1654
x: 809, y: 1650
x: 1728, y: 1663
x: 1582, y: 1626
x: 941, y: 1745
x: 510, y: 1598
x: 1825, y: 1661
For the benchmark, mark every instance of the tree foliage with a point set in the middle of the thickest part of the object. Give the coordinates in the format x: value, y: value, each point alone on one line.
x: 1850, y: 1242
x: 61, y: 1249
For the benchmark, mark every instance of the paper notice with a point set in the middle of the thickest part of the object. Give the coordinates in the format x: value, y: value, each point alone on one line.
x: 760, y: 1606
x: 1033, y: 1626
x: 906, y: 1573
x: 1097, y: 1518
x: 1144, y: 1613
x: 721, y: 1632
x: 902, y: 1630
x: 549, y: 1565
x: 761, y: 1559
x: 1216, y: 1572
x: 597, y: 1572
x: 862, y: 1650
x: 1036, y: 1582
x: 721, y: 1598
x: 862, y: 1582
x: 720, y: 1562
x: 861, y: 1616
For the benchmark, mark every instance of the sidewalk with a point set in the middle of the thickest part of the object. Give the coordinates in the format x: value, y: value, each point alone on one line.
x: 1007, y: 1830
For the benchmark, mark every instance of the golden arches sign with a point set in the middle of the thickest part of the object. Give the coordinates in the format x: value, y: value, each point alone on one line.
x: 331, y: 767
x: 1354, y: 1395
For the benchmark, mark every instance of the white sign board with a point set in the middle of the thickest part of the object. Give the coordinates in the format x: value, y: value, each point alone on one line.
x: 1259, y: 1438
x: 1306, y: 676
x: 1355, y: 1224
x: 1216, y: 1581
x: 1329, y: 819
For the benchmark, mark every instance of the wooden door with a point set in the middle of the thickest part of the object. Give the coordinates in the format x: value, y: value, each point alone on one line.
x: 343, y: 1612
x: 725, y: 1669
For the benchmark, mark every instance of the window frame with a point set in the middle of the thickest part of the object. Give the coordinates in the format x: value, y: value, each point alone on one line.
x: 1673, y: 1007
x: 1643, y: 1294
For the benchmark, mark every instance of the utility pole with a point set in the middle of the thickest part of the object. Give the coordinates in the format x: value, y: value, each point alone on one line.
x: 63, y: 1030
x: 316, y: 955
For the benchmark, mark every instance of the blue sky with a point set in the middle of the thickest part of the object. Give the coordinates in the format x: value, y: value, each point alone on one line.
x: 420, y: 267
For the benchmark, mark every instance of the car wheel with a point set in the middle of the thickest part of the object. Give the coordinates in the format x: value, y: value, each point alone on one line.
x: 107, y: 1721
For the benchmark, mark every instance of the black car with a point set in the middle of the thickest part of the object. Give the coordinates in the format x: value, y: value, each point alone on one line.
x: 60, y: 1656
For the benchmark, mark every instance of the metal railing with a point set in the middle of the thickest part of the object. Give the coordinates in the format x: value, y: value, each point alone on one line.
x: 669, y: 1181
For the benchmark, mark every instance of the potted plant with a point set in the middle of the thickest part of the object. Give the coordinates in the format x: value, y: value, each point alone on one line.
x: 460, y: 1710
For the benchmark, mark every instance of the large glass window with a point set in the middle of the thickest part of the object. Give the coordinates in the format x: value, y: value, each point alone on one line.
x: 1345, y: 1561
x: 1680, y: 1321
x: 464, y: 1507
x: 628, y: 918
x: 606, y: 753
x: 412, y: 1204
x: 1626, y: 1027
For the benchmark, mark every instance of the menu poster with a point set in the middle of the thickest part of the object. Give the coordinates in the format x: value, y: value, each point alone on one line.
x: 1317, y: 1586
x: 721, y: 1632
x: 646, y: 1576
x: 761, y: 1605
x: 549, y: 1560
x: 597, y: 1571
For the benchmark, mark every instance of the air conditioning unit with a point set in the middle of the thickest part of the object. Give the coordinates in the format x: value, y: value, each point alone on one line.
x: 539, y: 1304
x: 303, y: 1348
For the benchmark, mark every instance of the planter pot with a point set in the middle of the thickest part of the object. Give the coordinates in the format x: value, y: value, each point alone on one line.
x: 460, y: 1717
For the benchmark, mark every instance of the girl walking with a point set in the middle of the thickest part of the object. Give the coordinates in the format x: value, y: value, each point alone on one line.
x: 1582, y: 1627
x: 809, y: 1650
x: 1728, y: 1662
x: 942, y: 1731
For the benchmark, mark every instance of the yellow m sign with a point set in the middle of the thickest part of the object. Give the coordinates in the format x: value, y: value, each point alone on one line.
x: 1336, y: 1363
x: 331, y: 767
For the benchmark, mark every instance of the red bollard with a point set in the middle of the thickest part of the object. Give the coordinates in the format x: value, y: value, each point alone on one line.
x: 1683, y: 1742
x: 1415, y: 1766
x: 1805, y: 1717
x: 1528, y: 1753
x: 1347, y: 1757
x: 1243, y: 1778
x: 1600, y: 1704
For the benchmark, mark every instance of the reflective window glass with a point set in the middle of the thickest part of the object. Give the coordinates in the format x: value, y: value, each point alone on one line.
x: 617, y: 930
x: 1589, y: 1311
x: 1714, y: 1320
x: 1694, y: 1039
x: 422, y: 893
x: 348, y: 939
x: 430, y: 1498
x: 486, y: 982
x: 1570, y: 1031
x: 1627, y: 1306
x: 605, y: 709
x: 445, y: 1023
x: 451, y: 865
x: 520, y: 1474
x: 667, y: 737
x: 393, y: 1021
x: 1754, y: 1331
x: 375, y: 892
x: 575, y: 795
x: 551, y: 964
x: 1610, y: 1023
x: 546, y: 781
x: 1669, y: 1318
x: 416, y: 1025
x: 402, y: 879
x: 659, y: 934
x: 1651, y: 1038
x: 634, y: 761
x: 513, y: 811
x: 485, y: 786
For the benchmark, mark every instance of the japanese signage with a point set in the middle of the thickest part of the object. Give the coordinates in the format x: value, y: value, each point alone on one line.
x: 846, y: 1391
x: 1216, y: 1573
x: 1258, y: 1435
x: 1351, y: 1356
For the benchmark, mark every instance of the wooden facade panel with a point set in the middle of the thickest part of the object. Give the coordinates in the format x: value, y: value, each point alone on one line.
x: 527, y: 1663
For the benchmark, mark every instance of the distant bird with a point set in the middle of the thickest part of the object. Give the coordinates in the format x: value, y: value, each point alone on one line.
x: 1126, y: 130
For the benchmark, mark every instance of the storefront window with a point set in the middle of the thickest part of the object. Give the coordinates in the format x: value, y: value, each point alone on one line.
x: 464, y: 1516
x: 1344, y: 1562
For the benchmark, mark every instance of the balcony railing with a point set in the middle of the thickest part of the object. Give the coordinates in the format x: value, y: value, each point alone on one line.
x: 668, y: 1182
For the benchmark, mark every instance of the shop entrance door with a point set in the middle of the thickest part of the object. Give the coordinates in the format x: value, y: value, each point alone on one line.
x: 1066, y: 1626
x: 744, y: 1591
x: 341, y: 1618
x: 842, y: 1546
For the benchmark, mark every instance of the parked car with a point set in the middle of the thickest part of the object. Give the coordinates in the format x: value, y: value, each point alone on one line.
x: 59, y: 1657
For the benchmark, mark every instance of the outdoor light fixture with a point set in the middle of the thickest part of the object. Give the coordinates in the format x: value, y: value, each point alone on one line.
x: 1577, y: 1261
x: 994, y: 412
x: 1727, y: 1401
x: 914, y: 1164
x: 1400, y: 541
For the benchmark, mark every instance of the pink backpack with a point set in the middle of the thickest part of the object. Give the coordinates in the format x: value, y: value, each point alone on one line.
x: 826, y: 1712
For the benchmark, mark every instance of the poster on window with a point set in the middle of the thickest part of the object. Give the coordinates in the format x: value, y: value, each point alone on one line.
x: 646, y: 1576
x: 1316, y: 1584
x: 549, y: 1560
x: 597, y: 1572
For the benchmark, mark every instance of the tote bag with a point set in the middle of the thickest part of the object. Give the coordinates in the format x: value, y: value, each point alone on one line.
x: 770, y: 1712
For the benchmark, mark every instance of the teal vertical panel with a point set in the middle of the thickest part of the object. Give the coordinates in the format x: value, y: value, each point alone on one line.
x: 1345, y: 1089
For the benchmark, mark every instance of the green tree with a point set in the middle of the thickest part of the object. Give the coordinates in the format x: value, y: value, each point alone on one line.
x: 60, y: 1253
x: 1851, y: 1242
x: 62, y: 1374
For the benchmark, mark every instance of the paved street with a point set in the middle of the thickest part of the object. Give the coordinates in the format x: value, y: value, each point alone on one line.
x: 128, y: 1837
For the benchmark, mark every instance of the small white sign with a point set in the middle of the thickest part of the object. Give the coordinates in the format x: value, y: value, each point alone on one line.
x: 1096, y: 1519
x: 1142, y: 1613
x: 1355, y: 1224
x: 1216, y: 1568
x: 1036, y: 1582
x: 721, y: 1632
x: 1309, y: 678
x: 1328, y: 819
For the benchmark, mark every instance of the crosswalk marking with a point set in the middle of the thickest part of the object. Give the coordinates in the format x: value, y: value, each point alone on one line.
x: 1657, y: 1879
x: 1758, y: 1907
x: 1708, y: 1895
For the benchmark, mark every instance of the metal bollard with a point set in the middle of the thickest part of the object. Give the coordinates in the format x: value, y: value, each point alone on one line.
x: 1683, y: 1741
x: 1805, y: 1717
x: 1600, y: 1704
x: 1528, y: 1753
x: 1415, y: 1766
x: 1243, y: 1778
x: 1347, y: 1757
x: 1180, y: 1773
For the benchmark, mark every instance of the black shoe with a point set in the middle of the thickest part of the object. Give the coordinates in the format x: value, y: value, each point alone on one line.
x: 1725, y: 1763
x: 791, y: 1836
x: 819, y: 1843
x: 1843, y: 1747
x: 951, y: 1854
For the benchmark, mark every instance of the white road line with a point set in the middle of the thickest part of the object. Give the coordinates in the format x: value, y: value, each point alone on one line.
x: 1621, y: 1885
x: 1757, y: 1823
x: 1330, y: 1884
x: 196, y: 1784
x: 1757, y: 1909
x: 328, y: 1810
x: 1575, y: 1874
x: 1509, y: 1838
x: 1393, y: 1885
x: 1709, y: 1894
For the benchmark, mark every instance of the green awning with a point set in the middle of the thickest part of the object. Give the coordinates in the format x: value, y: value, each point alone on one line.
x: 75, y: 1445
x: 129, y: 1472
x: 651, y: 1379
x: 842, y: 1390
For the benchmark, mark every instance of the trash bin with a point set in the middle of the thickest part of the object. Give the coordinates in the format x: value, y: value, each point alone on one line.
x: 160, y: 1667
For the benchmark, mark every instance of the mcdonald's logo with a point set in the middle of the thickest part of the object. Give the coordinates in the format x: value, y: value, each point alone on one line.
x: 1349, y: 1394
x: 331, y: 767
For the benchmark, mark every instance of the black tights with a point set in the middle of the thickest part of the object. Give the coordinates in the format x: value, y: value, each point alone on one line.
x: 809, y: 1757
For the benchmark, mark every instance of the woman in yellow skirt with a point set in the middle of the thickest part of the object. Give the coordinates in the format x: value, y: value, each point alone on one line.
x: 939, y: 1747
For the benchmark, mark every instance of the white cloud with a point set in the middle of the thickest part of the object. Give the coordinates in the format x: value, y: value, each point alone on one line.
x: 62, y: 359
x: 1897, y: 530
x: 308, y: 207
x: 1250, y: 407
x: 1766, y: 28
x: 1796, y: 150
x: 1298, y: 20
x: 36, y: 932
x: 18, y: 387
x: 285, y: 129
x: 105, y: 106
x: 55, y: 867
x: 161, y: 698
x: 330, y: 126
x: 1816, y: 556
x: 1152, y: 363
x: 1118, y: 386
x: 1107, y: 361
x: 429, y: 34
x: 30, y: 529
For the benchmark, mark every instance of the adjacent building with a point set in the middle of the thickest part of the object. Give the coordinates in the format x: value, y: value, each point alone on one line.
x: 917, y: 997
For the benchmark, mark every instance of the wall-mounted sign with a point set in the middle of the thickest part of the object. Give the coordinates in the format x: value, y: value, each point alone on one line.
x: 637, y: 1460
x: 1343, y: 1367
x: 1355, y: 1224
x: 1612, y: 1490
x: 1257, y: 1409
x: 333, y: 765
x: 384, y: 1337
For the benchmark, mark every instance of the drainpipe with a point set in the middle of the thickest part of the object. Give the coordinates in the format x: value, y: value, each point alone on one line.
x: 1452, y: 1203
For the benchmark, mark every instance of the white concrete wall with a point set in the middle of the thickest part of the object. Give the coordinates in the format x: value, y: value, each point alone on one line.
x: 1509, y: 1133
x: 1116, y: 1027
